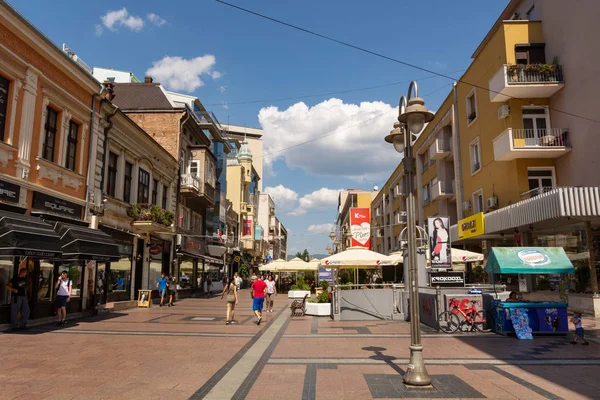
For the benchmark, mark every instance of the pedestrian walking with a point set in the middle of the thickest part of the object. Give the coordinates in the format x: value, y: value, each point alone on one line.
x: 63, y: 295
x: 232, y: 301
x: 259, y: 288
x: 19, y: 302
x: 172, y: 285
x: 271, y: 293
x: 161, y: 285
x: 579, y: 333
x: 208, y: 286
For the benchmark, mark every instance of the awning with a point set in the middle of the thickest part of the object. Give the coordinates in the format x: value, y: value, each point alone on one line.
x: 529, y: 260
x: 80, y: 243
x: 22, y: 235
x: 212, y: 260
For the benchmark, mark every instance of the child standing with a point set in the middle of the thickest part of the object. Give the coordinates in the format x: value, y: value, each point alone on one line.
x: 576, y: 320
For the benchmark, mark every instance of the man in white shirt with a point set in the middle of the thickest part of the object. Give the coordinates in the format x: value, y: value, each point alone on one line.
x: 63, y: 296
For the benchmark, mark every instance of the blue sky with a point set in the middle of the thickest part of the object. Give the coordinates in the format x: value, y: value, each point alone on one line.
x: 232, y: 59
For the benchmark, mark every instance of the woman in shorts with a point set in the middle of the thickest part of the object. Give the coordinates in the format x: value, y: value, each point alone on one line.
x: 63, y: 296
x: 232, y: 301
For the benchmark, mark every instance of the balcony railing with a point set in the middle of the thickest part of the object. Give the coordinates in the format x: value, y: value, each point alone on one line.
x: 195, y: 185
x: 554, y: 137
x: 189, y: 181
x: 533, y: 73
x: 537, y: 191
x: 531, y: 143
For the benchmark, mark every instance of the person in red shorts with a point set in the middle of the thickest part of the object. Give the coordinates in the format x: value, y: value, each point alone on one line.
x: 259, y: 288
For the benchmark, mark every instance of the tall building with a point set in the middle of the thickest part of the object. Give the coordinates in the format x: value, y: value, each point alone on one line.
x: 253, y: 137
x: 348, y: 199
x: 179, y: 130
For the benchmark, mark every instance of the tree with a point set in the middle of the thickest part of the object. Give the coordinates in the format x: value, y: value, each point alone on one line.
x: 304, y: 255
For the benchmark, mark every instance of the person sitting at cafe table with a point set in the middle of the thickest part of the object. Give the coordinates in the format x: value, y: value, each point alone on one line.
x: 512, y: 297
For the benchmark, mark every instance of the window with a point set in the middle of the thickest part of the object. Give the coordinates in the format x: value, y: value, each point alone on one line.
x: 4, y: 84
x: 72, y: 145
x: 50, y: 134
x: 165, y: 195
x: 426, y: 160
x: 535, y: 125
x: 194, y: 168
x: 426, y: 194
x: 472, y: 106
x: 389, y: 240
x: 143, y: 186
x: 111, y: 178
x: 531, y: 13
x: 154, y: 192
x: 540, y: 180
x: 475, y: 154
x: 127, y: 182
x: 478, y: 201
x: 533, y: 53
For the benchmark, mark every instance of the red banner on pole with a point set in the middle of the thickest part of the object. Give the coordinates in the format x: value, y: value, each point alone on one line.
x: 360, y: 227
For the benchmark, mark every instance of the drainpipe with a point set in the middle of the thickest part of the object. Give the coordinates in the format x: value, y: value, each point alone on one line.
x: 457, y: 155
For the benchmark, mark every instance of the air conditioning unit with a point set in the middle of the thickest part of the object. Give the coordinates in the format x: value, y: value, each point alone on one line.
x: 492, y: 202
x: 466, y: 205
x: 503, y: 111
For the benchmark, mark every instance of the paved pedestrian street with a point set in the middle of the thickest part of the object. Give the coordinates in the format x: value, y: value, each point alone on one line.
x: 187, y: 351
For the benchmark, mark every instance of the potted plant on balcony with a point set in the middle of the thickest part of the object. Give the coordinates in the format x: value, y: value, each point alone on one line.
x: 143, y: 212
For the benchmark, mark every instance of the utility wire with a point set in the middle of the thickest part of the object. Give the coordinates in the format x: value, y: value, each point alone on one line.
x: 398, y: 61
x: 328, y: 93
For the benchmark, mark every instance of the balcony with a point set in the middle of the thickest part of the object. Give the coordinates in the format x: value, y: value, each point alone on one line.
x: 525, y: 82
x: 197, y: 192
x: 243, y: 208
x: 441, y: 190
x: 440, y: 148
x: 531, y: 143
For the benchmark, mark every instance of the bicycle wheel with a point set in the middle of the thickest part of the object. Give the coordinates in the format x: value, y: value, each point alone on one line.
x: 448, y: 322
x: 482, y: 322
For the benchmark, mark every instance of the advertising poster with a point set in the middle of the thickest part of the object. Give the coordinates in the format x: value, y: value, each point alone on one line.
x: 247, y: 228
x: 360, y: 227
x: 326, y: 274
x: 439, y: 242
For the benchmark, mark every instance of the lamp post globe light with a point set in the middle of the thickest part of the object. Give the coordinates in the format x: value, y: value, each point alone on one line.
x: 413, y: 115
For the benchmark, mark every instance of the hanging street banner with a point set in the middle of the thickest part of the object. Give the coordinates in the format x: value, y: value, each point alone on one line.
x: 360, y: 227
x: 247, y: 226
x: 439, y: 242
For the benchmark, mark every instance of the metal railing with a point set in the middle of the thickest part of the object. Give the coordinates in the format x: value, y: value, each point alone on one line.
x: 537, y: 191
x: 191, y: 181
x: 533, y: 73
x: 546, y: 138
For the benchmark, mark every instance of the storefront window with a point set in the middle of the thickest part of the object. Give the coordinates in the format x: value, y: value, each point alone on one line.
x: 186, y: 272
x: 45, y: 289
x: 155, y: 270
x: 120, y: 275
x: 74, y: 270
x: 6, y: 274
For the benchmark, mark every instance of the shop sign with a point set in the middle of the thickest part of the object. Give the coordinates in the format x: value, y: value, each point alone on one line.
x: 193, y: 246
x: 439, y: 243
x: 9, y: 192
x: 471, y: 226
x: 448, y: 279
x: 156, y: 249
x: 42, y: 201
x: 326, y: 274
x: 360, y: 227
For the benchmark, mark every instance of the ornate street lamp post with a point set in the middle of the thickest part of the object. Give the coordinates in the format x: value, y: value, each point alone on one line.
x: 411, y: 119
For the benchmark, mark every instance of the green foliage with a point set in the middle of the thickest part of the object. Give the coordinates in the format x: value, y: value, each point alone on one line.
x: 301, y: 285
x: 142, y: 212
x: 323, y: 298
x: 294, y: 287
x: 304, y: 255
x: 313, y: 300
x: 243, y: 270
x: 324, y: 285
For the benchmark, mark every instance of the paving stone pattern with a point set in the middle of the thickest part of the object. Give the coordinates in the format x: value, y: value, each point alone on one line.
x: 187, y: 351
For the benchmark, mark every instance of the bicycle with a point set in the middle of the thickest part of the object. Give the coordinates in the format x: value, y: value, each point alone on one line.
x: 450, y: 322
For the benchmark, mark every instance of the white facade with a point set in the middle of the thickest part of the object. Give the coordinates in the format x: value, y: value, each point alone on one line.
x: 113, y: 75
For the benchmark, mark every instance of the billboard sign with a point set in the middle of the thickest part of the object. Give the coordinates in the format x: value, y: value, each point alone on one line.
x: 360, y: 227
x: 247, y: 226
x: 448, y: 279
x: 439, y: 242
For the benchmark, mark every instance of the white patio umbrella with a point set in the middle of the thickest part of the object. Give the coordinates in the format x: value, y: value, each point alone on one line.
x: 297, y: 264
x: 273, y: 267
x: 459, y: 256
x: 354, y: 257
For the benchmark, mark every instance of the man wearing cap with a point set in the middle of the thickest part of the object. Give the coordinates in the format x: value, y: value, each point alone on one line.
x: 19, y: 302
x: 63, y: 296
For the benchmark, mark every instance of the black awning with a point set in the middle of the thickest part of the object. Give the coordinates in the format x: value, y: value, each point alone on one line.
x: 80, y: 243
x: 22, y: 235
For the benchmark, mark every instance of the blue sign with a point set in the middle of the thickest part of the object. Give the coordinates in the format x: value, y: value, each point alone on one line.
x: 326, y: 274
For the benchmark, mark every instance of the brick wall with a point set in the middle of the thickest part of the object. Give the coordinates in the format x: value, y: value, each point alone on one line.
x: 163, y: 127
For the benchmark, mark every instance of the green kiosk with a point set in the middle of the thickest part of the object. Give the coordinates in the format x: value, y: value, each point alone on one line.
x: 526, y: 318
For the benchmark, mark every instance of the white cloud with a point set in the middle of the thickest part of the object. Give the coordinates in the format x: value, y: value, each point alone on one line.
x: 322, y: 199
x: 115, y: 19
x: 222, y: 89
x: 320, y: 228
x: 178, y: 73
x: 356, y: 150
x: 99, y: 30
x: 155, y: 19
x: 285, y: 199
